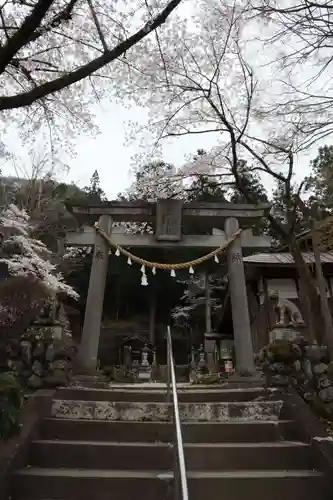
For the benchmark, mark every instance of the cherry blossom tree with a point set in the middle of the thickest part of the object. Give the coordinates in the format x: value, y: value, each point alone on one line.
x: 58, y: 56
x: 208, y: 86
x: 49, y: 45
x: 205, y: 85
x: 299, y: 33
x: 152, y: 181
x: 26, y: 256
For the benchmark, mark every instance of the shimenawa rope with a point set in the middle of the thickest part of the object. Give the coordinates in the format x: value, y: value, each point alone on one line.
x: 159, y: 265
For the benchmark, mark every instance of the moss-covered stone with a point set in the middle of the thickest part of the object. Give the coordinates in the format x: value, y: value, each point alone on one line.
x: 34, y: 382
x: 285, y: 362
x: 330, y: 370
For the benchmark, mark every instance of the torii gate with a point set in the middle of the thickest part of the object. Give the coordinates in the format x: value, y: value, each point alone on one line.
x: 168, y: 217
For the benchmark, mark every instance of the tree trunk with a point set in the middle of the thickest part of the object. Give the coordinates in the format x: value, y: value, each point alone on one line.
x: 305, y: 308
x: 323, y: 295
x: 313, y: 313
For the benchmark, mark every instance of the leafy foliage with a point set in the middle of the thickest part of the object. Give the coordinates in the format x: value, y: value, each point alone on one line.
x: 22, y: 299
x: 190, y: 310
x: 11, y: 403
x: 320, y: 183
x: 203, y: 188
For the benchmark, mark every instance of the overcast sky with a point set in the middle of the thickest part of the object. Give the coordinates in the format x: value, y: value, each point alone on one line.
x: 112, y: 154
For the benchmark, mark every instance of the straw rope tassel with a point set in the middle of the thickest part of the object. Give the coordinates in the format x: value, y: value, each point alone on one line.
x: 159, y: 265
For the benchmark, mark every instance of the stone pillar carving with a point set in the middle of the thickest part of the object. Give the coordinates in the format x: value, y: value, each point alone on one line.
x: 209, y: 340
x: 239, y: 304
x: 88, y: 350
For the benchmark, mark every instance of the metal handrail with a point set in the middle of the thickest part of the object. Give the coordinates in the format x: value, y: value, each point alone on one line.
x: 180, y: 480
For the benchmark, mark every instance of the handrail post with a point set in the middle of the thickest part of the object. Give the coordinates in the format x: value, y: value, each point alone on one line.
x: 169, y: 354
x: 179, y: 468
x: 176, y: 477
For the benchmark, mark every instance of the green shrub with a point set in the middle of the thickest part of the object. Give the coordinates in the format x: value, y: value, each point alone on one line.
x: 11, y: 402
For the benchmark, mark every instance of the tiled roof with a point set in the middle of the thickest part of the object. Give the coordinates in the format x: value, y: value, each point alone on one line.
x: 286, y: 258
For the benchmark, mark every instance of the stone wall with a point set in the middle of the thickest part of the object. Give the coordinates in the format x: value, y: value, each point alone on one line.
x: 303, y: 365
x: 39, y: 359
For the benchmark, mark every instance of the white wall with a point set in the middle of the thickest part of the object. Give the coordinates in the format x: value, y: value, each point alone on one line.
x: 285, y: 287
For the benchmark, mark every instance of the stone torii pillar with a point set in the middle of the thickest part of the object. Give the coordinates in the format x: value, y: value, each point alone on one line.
x: 239, y: 303
x: 86, y: 361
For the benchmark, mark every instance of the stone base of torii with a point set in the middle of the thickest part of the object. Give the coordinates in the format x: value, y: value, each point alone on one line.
x: 169, y: 216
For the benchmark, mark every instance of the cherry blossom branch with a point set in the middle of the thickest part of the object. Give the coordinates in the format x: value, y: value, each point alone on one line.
x: 98, y: 26
x: 19, y: 39
x: 45, y: 89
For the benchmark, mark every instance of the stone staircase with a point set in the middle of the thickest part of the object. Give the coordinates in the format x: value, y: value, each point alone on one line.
x: 116, y: 444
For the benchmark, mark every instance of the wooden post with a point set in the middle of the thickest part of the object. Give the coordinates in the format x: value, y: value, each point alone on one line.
x: 209, y: 341
x: 208, y: 304
x: 322, y: 292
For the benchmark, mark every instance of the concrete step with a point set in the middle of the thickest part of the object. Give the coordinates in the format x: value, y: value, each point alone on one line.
x: 162, y: 412
x: 74, y: 484
x: 207, y: 432
x: 198, y: 394
x: 202, y: 456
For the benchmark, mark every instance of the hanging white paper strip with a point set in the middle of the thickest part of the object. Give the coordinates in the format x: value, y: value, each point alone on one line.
x: 191, y: 270
x: 129, y: 262
x: 144, y: 281
x: 117, y: 254
x: 173, y: 274
x: 216, y: 259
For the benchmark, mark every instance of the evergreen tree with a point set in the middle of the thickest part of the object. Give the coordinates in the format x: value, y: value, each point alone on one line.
x: 205, y: 189
x: 95, y: 193
x: 320, y: 182
x: 258, y: 192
